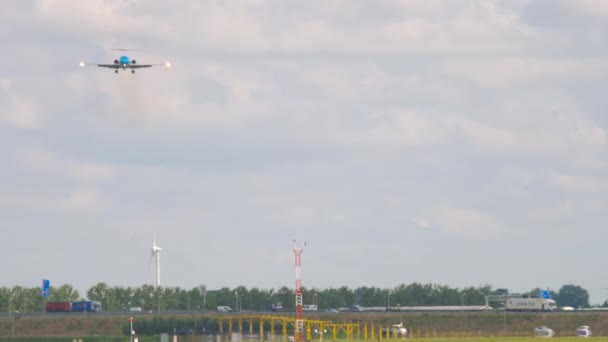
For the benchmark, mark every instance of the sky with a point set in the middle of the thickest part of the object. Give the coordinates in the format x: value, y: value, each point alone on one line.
x: 461, y: 143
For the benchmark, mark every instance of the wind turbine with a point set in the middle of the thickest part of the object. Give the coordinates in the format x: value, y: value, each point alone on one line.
x: 156, y: 252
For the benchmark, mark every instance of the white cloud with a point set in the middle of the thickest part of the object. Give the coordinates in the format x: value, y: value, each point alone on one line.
x: 21, y: 113
x: 577, y: 184
x: 406, y: 128
x: 46, y: 161
x: 79, y: 200
x: 483, y: 136
x: 17, y: 110
x: 312, y: 115
x: 84, y: 199
x: 99, y: 20
x: 466, y: 223
x: 421, y: 222
x: 500, y: 72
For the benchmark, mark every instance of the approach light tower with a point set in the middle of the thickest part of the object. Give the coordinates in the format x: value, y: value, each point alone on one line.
x: 299, y: 333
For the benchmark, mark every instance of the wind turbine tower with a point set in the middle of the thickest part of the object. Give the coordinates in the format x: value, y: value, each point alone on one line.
x: 156, y: 252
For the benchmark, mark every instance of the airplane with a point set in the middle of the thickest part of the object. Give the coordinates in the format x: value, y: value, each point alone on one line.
x: 124, y: 63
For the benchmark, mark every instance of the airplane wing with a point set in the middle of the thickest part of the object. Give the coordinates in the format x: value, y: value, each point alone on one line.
x: 128, y: 66
x: 111, y: 66
x: 122, y: 66
x: 138, y: 66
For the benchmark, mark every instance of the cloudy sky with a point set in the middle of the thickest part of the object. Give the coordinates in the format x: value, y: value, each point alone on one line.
x: 455, y: 142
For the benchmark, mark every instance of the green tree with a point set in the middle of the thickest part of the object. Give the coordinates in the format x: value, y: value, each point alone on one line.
x: 501, y: 292
x: 98, y: 292
x: 63, y: 293
x: 573, y: 295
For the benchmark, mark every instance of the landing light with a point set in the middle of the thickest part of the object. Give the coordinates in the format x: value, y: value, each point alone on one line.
x: 168, y: 64
x: 81, y: 64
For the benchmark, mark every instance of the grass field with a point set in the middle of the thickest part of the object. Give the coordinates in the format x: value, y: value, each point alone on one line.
x: 199, y: 339
x: 429, y: 327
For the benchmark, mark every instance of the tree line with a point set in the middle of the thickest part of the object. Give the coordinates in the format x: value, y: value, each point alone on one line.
x: 148, y: 297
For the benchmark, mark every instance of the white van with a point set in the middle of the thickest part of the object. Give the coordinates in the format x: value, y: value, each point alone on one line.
x: 224, y: 308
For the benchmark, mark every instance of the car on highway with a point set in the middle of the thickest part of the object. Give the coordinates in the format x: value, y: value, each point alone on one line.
x: 354, y: 308
x: 274, y: 307
x: 185, y: 332
x: 543, y: 331
x: 331, y: 311
x: 583, y: 331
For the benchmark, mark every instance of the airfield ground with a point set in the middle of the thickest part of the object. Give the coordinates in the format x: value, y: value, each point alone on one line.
x: 430, y: 327
x: 191, y: 339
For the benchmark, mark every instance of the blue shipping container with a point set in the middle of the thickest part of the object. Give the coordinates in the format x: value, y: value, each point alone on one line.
x: 86, y: 306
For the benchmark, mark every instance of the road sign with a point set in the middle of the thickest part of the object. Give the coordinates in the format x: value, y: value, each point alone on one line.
x: 46, y: 288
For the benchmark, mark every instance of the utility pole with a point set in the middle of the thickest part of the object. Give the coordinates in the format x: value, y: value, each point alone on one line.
x: 11, y: 316
x: 131, y: 327
x: 203, y: 290
x: 236, y: 295
x: 504, y: 307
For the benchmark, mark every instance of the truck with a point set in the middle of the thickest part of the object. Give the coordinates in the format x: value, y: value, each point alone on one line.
x: 310, y: 308
x: 58, y: 306
x: 530, y: 304
x: 86, y: 306
x: 274, y: 307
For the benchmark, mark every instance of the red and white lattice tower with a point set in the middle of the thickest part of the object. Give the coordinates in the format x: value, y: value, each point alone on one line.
x: 299, y: 333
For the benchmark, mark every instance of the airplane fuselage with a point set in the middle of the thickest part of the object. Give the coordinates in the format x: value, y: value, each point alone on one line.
x: 124, y: 60
x: 124, y: 63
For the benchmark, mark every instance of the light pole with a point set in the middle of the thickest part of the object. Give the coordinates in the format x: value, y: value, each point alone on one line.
x: 236, y: 295
x: 241, y: 302
x: 203, y: 291
x: 504, y: 308
x: 400, y: 313
x: 462, y: 301
x: 321, y: 331
x: 131, y: 327
x: 11, y: 316
x: 188, y: 300
x: 195, y: 312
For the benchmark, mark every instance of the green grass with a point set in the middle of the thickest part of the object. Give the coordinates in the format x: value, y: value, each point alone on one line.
x: 430, y: 327
x: 454, y: 339
x: 508, y: 339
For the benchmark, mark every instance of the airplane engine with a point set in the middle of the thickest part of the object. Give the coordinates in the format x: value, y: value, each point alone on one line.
x: 116, y: 61
x: 133, y: 62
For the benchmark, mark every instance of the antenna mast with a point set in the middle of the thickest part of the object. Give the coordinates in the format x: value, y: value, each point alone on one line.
x: 299, y: 333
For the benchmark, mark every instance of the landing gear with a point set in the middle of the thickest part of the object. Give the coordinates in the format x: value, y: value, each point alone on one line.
x: 116, y: 71
x: 132, y: 71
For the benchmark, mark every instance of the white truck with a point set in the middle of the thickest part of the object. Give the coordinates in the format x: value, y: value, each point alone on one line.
x: 310, y: 308
x: 224, y: 308
x: 530, y: 304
